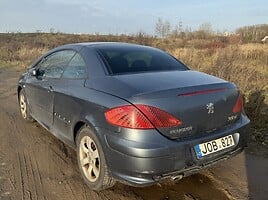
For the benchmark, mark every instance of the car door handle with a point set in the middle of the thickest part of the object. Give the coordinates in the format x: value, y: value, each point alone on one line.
x: 50, y: 89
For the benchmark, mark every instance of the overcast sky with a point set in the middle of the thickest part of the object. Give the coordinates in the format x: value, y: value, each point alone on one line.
x: 127, y: 16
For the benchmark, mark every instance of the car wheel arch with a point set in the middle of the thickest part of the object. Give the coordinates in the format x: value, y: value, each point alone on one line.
x: 19, y: 90
x: 79, y: 125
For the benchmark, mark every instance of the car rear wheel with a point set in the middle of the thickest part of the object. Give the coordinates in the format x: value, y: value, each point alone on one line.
x: 24, y: 109
x: 91, y: 161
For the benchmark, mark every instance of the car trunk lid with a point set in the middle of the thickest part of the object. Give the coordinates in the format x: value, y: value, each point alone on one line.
x: 200, y: 101
x: 201, y: 109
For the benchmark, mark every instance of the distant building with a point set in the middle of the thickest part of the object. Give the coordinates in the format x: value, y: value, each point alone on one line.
x: 265, y: 39
x: 228, y: 34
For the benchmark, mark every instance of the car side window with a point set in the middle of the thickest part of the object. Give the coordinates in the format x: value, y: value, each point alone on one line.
x: 76, y: 68
x: 53, y: 65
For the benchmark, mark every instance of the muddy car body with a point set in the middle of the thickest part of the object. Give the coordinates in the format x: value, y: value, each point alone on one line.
x: 133, y: 113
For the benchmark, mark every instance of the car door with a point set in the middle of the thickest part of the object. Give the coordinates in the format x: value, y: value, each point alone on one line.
x: 40, y: 88
x: 68, y: 101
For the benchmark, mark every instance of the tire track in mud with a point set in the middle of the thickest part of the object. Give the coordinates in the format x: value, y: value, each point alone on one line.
x: 21, y: 136
x: 30, y: 178
x: 68, y: 187
x: 58, y: 155
x: 29, y: 183
x: 21, y: 177
x: 40, y: 181
x: 37, y: 178
x: 30, y: 187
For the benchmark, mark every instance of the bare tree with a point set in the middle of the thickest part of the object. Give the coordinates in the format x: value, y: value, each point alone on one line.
x: 162, y: 28
x: 253, y: 33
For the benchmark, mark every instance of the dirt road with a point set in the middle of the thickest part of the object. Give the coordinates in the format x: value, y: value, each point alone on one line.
x: 35, y: 165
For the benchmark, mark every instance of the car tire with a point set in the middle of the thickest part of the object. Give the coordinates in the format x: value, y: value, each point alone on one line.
x: 91, y: 160
x: 24, y: 108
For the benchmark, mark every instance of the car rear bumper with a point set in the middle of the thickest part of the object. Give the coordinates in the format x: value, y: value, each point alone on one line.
x: 140, y: 160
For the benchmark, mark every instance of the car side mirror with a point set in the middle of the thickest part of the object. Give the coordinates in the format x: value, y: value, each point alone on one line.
x: 34, y: 72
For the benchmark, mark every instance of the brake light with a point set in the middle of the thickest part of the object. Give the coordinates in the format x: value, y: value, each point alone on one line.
x: 202, y: 92
x: 140, y: 117
x: 238, y: 105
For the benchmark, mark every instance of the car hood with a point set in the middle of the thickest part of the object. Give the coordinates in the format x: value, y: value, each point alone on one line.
x: 134, y: 85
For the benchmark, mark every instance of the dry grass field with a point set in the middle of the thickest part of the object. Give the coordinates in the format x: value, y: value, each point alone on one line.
x: 245, y: 64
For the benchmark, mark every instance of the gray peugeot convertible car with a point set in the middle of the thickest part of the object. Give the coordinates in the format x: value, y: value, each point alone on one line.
x: 134, y: 114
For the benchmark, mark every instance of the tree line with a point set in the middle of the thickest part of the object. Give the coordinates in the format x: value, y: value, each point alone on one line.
x: 246, y: 34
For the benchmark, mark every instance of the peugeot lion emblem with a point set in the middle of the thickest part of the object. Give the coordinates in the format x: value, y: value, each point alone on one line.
x: 210, y: 108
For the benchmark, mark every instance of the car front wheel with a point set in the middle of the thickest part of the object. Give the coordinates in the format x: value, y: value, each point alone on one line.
x: 91, y: 161
x: 24, y: 109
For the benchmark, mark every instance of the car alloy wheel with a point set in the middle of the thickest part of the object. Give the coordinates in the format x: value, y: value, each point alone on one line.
x: 24, y: 109
x: 23, y: 105
x: 89, y: 159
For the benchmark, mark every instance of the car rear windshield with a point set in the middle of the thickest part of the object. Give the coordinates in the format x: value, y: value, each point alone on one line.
x: 134, y: 59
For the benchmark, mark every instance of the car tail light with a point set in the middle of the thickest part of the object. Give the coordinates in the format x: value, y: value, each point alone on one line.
x: 238, y: 105
x: 140, y: 117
